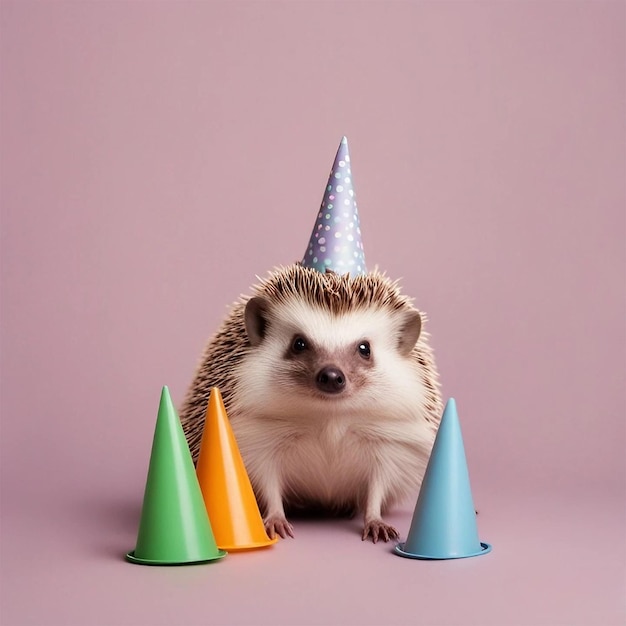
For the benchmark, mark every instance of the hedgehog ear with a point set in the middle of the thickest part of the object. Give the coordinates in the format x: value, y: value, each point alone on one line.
x: 409, y: 332
x: 255, y: 317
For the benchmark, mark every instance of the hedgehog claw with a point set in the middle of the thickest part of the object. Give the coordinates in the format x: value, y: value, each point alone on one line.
x: 377, y: 529
x: 278, y: 526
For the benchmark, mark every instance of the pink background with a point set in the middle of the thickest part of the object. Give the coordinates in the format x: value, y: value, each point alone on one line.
x: 156, y: 156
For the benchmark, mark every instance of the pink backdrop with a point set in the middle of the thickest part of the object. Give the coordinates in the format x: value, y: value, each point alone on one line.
x: 156, y: 156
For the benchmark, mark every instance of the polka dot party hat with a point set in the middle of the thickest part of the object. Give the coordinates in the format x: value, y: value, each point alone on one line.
x: 335, y: 243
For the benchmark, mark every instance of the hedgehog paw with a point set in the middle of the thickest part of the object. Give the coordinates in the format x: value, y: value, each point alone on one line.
x: 278, y: 525
x: 377, y: 529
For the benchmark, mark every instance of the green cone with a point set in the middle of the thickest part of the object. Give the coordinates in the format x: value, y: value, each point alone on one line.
x: 174, y: 527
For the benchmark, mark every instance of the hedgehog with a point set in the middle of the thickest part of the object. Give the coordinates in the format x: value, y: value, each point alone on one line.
x: 332, y: 392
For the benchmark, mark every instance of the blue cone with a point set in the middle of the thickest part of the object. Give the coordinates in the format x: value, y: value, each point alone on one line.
x: 444, y: 521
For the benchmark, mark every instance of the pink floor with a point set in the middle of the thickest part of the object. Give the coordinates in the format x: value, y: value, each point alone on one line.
x: 556, y: 559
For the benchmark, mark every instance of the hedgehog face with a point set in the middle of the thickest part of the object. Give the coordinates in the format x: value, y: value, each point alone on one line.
x: 318, y: 356
x: 321, y: 355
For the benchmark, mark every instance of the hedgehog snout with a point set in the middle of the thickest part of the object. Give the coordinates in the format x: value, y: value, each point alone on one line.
x: 330, y: 379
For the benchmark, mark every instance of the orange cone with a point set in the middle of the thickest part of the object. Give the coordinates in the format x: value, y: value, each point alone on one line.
x: 228, y: 496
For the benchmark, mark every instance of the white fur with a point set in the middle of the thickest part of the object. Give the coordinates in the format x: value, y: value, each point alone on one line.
x: 367, y: 446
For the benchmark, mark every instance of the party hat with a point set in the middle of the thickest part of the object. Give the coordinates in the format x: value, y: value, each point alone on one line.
x: 444, y: 521
x: 335, y: 242
x: 226, y: 487
x: 174, y: 527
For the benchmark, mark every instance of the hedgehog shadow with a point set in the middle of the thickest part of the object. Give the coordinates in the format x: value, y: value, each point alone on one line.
x: 346, y: 520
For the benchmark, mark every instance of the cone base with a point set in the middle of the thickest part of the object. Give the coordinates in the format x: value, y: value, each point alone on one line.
x: 133, y: 559
x: 485, y: 547
x: 248, y: 546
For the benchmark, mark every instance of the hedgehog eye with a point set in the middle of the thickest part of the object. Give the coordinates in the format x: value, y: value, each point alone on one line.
x: 364, y: 349
x: 299, y: 345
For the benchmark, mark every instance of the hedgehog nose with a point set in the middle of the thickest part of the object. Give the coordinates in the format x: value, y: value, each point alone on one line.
x: 331, y: 380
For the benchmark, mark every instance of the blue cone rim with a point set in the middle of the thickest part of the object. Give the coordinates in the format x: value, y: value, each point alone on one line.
x: 485, y: 547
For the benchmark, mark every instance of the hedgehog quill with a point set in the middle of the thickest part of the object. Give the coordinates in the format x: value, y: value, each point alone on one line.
x: 328, y: 379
